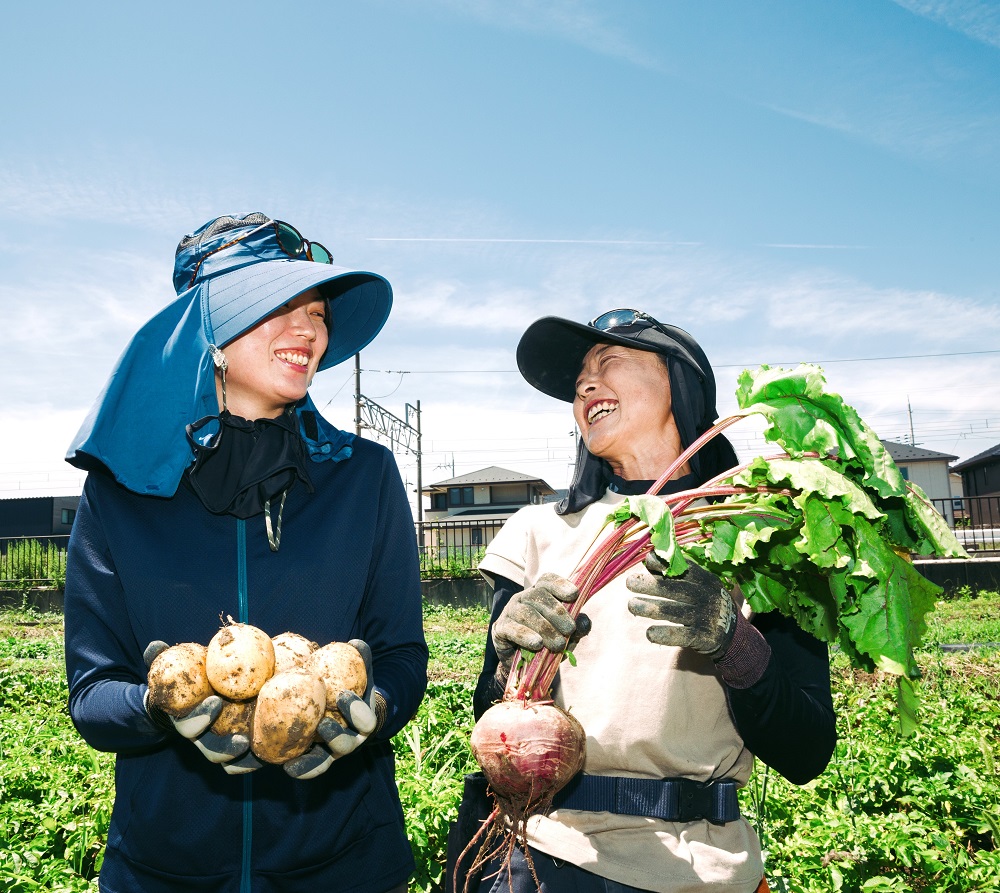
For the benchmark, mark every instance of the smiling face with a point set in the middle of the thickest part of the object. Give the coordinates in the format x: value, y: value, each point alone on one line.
x: 272, y: 364
x: 624, y: 411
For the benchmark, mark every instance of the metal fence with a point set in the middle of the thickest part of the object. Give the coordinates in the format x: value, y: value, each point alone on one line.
x: 26, y: 562
x: 975, y: 520
x: 453, y: 548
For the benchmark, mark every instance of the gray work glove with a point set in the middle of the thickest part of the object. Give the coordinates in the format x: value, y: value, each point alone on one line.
x: 364, y: 716
x: 537, y: 618
x: 194, y: 724
x: 696, y: 609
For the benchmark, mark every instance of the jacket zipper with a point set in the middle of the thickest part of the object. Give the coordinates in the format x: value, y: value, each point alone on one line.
x: 243, y: 610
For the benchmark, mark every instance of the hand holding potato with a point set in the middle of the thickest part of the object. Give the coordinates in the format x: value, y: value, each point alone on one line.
x: 179, y: 695
x: 351, y: 714
x: 246, y: 699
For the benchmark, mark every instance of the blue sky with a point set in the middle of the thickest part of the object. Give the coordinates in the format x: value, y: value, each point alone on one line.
x: 789, y: 181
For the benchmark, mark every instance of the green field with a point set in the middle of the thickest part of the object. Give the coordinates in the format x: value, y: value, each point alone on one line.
x: 889, y: 814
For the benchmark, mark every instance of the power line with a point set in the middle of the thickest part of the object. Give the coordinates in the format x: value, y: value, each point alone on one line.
x: 912, y: 356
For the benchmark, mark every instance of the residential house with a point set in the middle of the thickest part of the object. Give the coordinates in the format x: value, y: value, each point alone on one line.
x: 981, y: 483
x: 37, y: 516
x: 929, y: 470
x: 466, y: 512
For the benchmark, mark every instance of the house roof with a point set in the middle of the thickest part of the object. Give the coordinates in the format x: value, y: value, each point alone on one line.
x: 903, y: 452
x: 979, y: 459
x: 492, y: 475
x: 480, y: 513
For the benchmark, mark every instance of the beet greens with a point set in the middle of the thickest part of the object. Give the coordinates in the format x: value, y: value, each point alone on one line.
x: 822, y: 532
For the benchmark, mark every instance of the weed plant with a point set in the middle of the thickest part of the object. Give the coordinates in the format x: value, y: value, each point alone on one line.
x: 888, y: 814
x: 27, y: 563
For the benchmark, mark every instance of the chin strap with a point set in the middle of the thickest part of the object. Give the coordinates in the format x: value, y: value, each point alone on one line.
x: 219, y: 358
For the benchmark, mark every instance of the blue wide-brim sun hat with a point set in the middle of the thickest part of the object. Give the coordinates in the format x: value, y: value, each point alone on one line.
x: 165, y: 378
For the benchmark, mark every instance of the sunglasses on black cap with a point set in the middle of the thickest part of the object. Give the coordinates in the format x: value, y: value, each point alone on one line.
x: 618, y: 319
x: 290, y: 240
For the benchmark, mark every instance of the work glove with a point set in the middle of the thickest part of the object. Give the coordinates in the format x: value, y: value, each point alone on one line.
x: 696, y: 609
x: 537, y: 618
x: 194, y: 724
x: 364, y: 716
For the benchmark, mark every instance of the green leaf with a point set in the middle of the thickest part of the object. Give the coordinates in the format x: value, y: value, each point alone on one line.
x: 804, y: 417
x: 891, y: 602
x: 923, y: 517
x: 907, y: 702
x: 653, y: 512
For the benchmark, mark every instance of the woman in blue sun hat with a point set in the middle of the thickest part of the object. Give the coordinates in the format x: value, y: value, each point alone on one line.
x: 216, y: 489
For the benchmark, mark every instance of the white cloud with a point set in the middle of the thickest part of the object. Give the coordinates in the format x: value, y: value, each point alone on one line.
x: 576, y: 21
x: 973, y: 18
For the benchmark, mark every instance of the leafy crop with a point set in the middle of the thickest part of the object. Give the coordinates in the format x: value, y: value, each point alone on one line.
x: 889, y: 813
x: 55, y: 791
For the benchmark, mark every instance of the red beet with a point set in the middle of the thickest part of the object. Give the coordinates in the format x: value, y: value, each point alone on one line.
x: 528, y: 751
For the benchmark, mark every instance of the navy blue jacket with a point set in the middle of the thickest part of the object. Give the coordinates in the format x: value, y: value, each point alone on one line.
x: 143, y: 568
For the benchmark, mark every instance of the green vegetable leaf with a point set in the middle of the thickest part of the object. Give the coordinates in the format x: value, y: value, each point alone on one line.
x: 653, y: 512
x: 937, y: 535
x: 805, y: 417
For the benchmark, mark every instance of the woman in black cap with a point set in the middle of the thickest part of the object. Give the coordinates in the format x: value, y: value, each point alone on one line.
x: 675, y: 711
x: 216, y: 489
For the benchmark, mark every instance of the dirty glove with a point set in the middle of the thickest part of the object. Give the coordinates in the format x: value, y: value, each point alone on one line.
x: 364, y: 716
x: 194, y: 724
x: 537, y: 618
x: 699, y: 613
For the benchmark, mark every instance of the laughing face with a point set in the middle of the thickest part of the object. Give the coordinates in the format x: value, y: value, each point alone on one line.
x: 624, y: 412
x: 272, y: 364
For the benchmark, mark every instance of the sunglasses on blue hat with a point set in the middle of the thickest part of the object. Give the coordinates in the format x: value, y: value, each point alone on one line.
x: 624, y: 317
x: 290, y: 240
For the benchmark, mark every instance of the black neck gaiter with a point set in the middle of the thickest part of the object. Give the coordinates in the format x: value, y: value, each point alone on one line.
x: 245, y: 464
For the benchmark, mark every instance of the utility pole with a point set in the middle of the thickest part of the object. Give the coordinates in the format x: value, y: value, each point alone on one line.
x: 357, y: 393
x: 909, y: 409
x: 368, y: 414
x: 419, y: 454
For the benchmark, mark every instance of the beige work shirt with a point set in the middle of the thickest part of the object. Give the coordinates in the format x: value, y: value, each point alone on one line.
x: 648, y: 710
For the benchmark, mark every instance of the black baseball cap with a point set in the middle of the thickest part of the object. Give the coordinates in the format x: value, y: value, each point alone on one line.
x: 551, y: 351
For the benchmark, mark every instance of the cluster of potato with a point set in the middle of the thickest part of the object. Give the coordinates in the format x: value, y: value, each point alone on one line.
x: 274, y: 691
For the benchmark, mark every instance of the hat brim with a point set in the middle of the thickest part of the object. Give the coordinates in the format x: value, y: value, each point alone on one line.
x: 551, y: 351
x: 359, y: 301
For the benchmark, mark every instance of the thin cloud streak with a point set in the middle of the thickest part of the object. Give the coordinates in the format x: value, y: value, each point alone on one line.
x: 532, y: 241
x: 794, y: 245
x: 976, y: 20
x: 574, y: 21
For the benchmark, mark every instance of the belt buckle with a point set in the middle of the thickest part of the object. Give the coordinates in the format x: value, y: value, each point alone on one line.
x: 697, y: 801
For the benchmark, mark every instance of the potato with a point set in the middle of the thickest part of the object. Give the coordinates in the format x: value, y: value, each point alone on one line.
x: 178, y: 681
x: 288, y: 711
x: 291, y: 650
x: 236, y: 718
x: 341, y: 668
x: 239, y: 661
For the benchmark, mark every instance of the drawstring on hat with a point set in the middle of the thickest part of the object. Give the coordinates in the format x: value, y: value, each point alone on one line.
x: 219, y: 358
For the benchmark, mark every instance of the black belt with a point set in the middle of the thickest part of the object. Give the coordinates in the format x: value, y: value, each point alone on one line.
x: 671, y: 799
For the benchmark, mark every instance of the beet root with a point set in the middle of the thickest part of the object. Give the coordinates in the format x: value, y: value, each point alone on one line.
x: 528, y: 751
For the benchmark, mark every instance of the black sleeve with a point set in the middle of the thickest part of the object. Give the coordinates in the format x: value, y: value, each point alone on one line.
x: 786, y: 718
x: 488, y: 689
